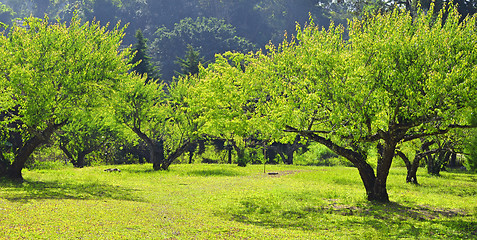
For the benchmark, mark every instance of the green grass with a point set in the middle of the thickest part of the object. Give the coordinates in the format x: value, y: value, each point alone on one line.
x: 227, y: 202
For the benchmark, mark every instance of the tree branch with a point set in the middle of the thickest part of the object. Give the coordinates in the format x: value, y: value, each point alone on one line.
x: 410, y: 137
x: 304, y: 131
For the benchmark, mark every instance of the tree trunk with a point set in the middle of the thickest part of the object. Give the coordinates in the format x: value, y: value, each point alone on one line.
x: 177, y: 153
x: 80, y: 161
x: 241, y: 161
x: 229, y: 154
x: 158, y: 155
x: 201, y: 147
x: 68, y: 154
x: 191, y: 156
x: 452, y: 161
x: 156, y: 149
x: 382, y: 171
x: 411, y: 176
x: 191, y: 149
x: 358, y: 159
x: 14, y: 171
x: 3, y: 164
x: 282, y: 155
x: 286, y: 153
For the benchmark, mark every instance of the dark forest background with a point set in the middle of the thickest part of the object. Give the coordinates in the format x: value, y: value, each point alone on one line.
x: 172, y: 28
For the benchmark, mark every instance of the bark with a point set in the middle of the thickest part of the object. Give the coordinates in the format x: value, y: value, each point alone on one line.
x: 411, y: 176
x: 229, y: 154
x: 201, y: 147
x: 157, y: 154
x: 23, y: 153
x: 191, y: 149
x: 3, y: 164
x: 286, y: 151
x: 436, y: 164
x: 177, y: 153
x: 241, y: 161
x: 156, y: 149
x: 291, y: 149
x: 287, y: 155
x: 453, y: 160
x: 79, y: 162
x: 68, y: 154
x: 191, y: 157
x: 358, y: 159
x: 382, y: 170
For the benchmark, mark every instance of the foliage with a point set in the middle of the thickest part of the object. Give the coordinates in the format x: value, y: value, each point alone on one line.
x: 471, y: 146
x: 319, y: 155
x: 471, y: 159
x: 85, y: 135
x: 394, y: 80
x: 6, y: 14
x: 161, y: 120
x: 141, y: 60
x: 225, y: 201
x: 190, y: 63
x: 363, y: 7
x: 207, y: 35
x: 51, y: 73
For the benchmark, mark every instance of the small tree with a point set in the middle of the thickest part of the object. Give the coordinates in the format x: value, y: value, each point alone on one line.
x: 190, y: 63
x: 83, y: 136
x: 160, y: 120
x: 141, y: 60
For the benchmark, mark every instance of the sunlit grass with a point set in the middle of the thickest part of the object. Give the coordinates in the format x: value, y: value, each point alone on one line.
x: 229, y: 202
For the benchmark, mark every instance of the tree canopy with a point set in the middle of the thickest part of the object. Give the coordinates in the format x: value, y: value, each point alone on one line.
x: 397, y: 78
x: 50, y: 72
x: 207, y: 35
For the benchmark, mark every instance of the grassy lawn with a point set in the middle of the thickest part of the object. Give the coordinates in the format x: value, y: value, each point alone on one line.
x: 229, y: 202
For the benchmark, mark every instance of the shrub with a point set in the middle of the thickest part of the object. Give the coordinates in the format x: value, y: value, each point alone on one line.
x: 471, y: 158
x: 319, y: 155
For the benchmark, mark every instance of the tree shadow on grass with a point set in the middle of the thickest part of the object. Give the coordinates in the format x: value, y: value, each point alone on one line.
x: 391, y: 219
x: 459, y: 175
x: 26, y: 191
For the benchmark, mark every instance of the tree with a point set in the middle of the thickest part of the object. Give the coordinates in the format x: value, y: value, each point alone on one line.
x: 190, y: 63
x: 160, y: 120
x: 104, y: 11
x: 396, y: 79
x: 6, y: 14
x: 423, y: 152
x: 85, y: 135
x: 207, y: 35
x: 50, y: 72
x: 141, y: 60
x: 363, y: 7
